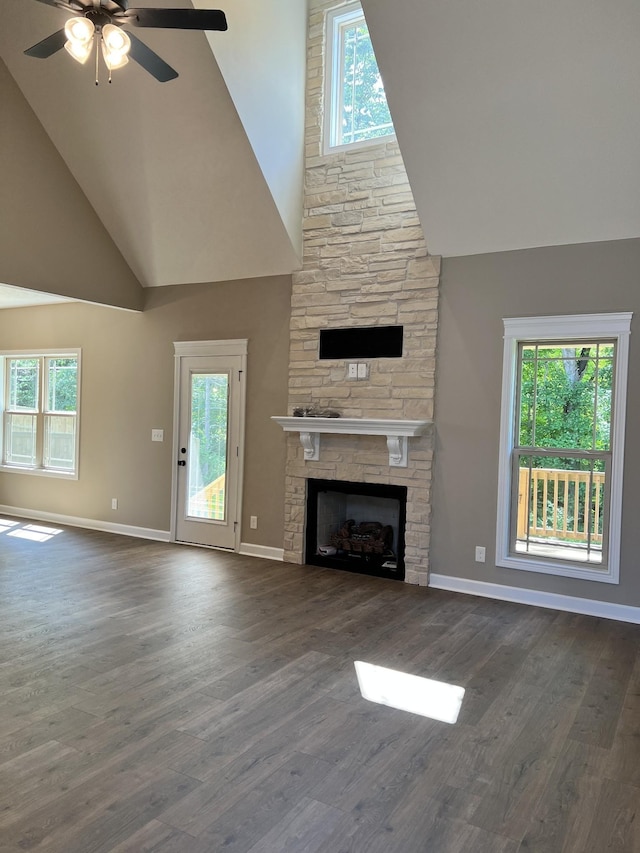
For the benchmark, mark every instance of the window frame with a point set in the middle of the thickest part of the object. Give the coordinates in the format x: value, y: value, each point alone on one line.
x: 614, y: 327
x: 336, y: 20
x: 41, y: 413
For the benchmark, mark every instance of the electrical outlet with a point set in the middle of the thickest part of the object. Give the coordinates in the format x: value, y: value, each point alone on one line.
x: 480, y: 553
x: 253, y: 522
x: 352, y: 370
x: 363, y: 370
x: 114, y: 503
x: 157, y: 435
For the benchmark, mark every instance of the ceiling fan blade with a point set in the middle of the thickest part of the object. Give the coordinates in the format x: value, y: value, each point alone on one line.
x: 70, y: 6
x: 150, y: 61
x: 176, y: 19
x: 47, y: 47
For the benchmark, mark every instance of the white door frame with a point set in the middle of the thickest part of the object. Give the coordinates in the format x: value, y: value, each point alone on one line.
x: 188, y: 349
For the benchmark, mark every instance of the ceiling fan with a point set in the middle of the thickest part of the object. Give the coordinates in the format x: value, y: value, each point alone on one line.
x: 103, y: 21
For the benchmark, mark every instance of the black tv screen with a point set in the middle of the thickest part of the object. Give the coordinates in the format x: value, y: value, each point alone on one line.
x: 362, y: 342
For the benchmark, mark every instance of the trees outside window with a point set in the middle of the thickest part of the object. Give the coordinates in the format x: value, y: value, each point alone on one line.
x: 355, y: 99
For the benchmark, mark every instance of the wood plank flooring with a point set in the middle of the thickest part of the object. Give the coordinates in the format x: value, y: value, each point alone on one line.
x: 169, y: 699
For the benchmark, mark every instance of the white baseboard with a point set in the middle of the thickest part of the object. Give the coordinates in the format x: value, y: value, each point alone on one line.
x: 263, y: 551
x: 89, y: 523
x: 586, y: 606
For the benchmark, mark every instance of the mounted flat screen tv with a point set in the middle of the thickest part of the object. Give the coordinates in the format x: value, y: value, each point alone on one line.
x: 362, y: 342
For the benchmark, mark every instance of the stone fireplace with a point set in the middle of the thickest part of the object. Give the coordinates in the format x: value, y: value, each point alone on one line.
x: 365, y: 264
x: 358, y: 527
x: 358, y: 464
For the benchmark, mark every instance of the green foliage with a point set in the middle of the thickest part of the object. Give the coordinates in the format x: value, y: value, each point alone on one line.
x: 23, y: 383
x: 365, y: 114
x: 62, y: 384
x: 565, y: 397
x: 209, y: 402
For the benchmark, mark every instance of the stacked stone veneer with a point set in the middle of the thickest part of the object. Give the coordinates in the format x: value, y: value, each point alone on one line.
x: 365, y: 263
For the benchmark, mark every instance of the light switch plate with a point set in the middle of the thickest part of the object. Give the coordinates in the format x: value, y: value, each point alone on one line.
x: 157, y: 435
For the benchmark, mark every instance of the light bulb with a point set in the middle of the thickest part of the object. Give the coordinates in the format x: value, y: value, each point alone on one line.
x: 79, y: 30
x: 115, y: 46
x: 113, y: 59
x: 115, y: 39
x: 80, y: 52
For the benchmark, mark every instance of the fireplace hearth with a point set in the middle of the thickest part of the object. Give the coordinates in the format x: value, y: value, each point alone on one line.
x: 358, y: 527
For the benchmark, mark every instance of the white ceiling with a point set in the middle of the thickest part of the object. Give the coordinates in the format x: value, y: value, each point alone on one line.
x: 518, y: 122
x: 20, y: 297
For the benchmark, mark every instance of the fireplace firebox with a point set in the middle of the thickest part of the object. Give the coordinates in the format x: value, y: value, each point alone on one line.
x: 358, y: 527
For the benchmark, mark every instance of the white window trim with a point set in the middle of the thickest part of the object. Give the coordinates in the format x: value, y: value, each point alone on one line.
x: 42, y: 472
x: 335, y: 18
x: 615, y: 326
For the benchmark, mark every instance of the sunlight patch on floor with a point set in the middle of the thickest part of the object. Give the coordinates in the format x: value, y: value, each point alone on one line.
x: 33, y: 532
x: 434, y: 699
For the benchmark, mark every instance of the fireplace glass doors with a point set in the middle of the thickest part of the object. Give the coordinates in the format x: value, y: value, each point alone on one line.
x: 358, y: 527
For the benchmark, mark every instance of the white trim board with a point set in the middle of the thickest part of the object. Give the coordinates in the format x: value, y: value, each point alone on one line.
x: 88, y: 523
x: 267, y: 553
x: 237, y: 346
x: 551, y: 600
x: 246, y: 549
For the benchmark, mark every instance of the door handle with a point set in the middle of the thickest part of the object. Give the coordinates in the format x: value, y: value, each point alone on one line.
x: 181, y: 462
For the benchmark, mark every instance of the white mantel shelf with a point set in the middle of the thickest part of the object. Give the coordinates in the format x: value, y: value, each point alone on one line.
x: 397, y: 432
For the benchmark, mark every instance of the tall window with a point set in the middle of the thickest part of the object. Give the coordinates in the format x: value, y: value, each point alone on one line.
x: 561, y: 444
x: 356, y: 105
x: 40, y: 412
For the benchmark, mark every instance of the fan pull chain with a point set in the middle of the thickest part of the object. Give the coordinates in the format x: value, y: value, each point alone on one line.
x: 97, y: 63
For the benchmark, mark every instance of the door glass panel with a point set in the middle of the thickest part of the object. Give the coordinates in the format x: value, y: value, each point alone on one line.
x: 207, y: 459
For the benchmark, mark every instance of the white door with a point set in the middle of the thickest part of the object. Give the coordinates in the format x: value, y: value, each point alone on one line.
x: 210, y: 409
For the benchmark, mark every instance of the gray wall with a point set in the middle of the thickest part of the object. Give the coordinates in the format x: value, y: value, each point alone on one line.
x: 476, y: 293
x: 50, y: 237
x: 127, y: 389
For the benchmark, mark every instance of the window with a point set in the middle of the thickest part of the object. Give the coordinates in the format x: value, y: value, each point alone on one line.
x: 40, y: 412
x: 561, y: 445
x: 357, y: 105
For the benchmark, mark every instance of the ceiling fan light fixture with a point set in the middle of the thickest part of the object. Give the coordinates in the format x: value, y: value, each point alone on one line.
x: 116, y: 44
x: 79, y: 30
x: 112, y: 59
x: 102, y: 20
x: 80, y: 52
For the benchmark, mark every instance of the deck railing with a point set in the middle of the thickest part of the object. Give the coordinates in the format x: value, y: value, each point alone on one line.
x: 209, y: 501
x: 559, y: 504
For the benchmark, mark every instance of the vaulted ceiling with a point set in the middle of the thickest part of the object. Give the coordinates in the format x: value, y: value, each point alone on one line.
x: 518, y: 122
x: 188, y: 186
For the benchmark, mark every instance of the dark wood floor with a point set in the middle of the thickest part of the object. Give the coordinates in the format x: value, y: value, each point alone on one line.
x: 176, y: 700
